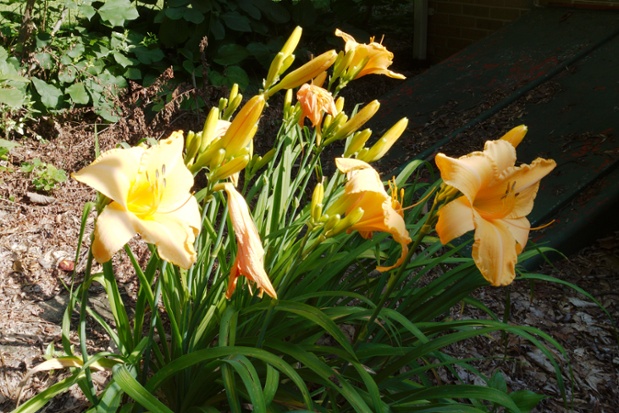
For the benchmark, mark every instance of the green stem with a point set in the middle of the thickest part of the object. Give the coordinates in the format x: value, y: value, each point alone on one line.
x: 88, y: 388
x: 396, y: 277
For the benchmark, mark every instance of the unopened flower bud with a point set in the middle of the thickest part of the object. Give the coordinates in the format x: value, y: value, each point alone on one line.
x: 342, y: 62
x: 331, y: 222
x: 230, y: 168
x: 357, y: 141
x: 258, y: 162
x: 339, y: 104
x: 357, y: 121
x: 305, y: 73
x: 192, y: 144
x: 292, y: 42
x: 209, y: 130
x: 516, y: 135
x: 274, y: 70
x: 349, y: 220
x: 316, y: 205
x: 382, y: 146
x: 320, y: 79
x: 243, y: 126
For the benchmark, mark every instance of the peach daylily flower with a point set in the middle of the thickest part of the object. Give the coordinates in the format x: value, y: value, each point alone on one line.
x: 150, y: 193
x: 249, y: 260
x: 315, y: 102
x: 496, y: 198
x: 377, y: 56
x: 381, y: 212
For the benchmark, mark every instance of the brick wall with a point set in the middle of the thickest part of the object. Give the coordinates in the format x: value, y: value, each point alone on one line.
x: 455, y: 24
x: 590, y: 4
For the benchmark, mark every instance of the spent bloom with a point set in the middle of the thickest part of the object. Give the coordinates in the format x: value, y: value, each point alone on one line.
x: 381, y: 212
x: 249, y: 260
x: 496, y: 196
x: 150, y: 195
x: 366, y: 59
x: 315, y: 102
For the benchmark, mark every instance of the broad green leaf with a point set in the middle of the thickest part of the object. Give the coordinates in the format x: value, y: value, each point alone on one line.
x: 121, y: 59
x: 6, y: 144
x: 248, y: 7
x: 230, y: 54
x: 45, y: 60
x: 12, y: 97
x: 236, y: 22
x: 87, y: 10
x: 217, y: 28
x: 116, y: 12
x: 76, y: 51
x: 273, y: 11
x: 147, y: 56
x: 526, y: 399
x: 236, y: 74
x: 175, y: 13
x: 50, y: 94
x: 67, y: 74
x: 78, y: 93
x: 192, y: 15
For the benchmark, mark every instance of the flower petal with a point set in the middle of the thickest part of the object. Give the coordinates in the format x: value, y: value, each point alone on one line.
x: 520, y: 229
x: 454, y: 220
x: 113, y: 229
x: 112, y: 173
x: 495, y: 251
x: 467, y: 174
x: 527, y: 179
x: 502, y: 154
x: 396, y: 226
x: 172, y: 235
x: 361, y: 176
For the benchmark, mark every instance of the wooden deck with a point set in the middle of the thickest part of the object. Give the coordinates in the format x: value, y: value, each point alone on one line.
x: 574, y: 52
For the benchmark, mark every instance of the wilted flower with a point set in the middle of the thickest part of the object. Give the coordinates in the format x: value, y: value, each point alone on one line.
x: 249, y: 260
x: 150, y: 193
x: 496, y: 198
x: 315, y: 102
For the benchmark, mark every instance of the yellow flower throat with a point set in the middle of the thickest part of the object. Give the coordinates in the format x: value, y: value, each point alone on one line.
x: 147, y: 192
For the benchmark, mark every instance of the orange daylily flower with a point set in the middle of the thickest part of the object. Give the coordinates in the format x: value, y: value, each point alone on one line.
x: 150, y: 193
x: 249, y: 260
x: 377, y: 57
x: 381, y: 211
x: 496, y: 198
x: 315, y: 101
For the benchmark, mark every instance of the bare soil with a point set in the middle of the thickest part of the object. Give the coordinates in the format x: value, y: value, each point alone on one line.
x: 38, y: 238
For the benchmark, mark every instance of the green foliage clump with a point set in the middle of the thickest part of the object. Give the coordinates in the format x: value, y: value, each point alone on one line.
x: 44, y: 176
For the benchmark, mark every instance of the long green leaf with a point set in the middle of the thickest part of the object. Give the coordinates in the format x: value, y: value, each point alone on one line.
x: 136, y: 391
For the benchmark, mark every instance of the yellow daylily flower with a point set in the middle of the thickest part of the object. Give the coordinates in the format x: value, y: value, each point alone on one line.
x: 150, y: 193
x: 249, y: 260
x: 496, y: 198
x: 381, y: 211
x: 315, y: 101
x: 376, y: 57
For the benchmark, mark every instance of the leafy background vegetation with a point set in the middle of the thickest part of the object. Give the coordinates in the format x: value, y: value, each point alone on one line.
x: 61, y: 54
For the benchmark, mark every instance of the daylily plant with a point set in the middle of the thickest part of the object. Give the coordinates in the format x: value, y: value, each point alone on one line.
x: 150, y: 195
x: 496, y: 196
x: 381, y: 211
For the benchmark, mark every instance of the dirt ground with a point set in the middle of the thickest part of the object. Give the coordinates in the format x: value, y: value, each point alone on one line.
x: 37, y: 252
